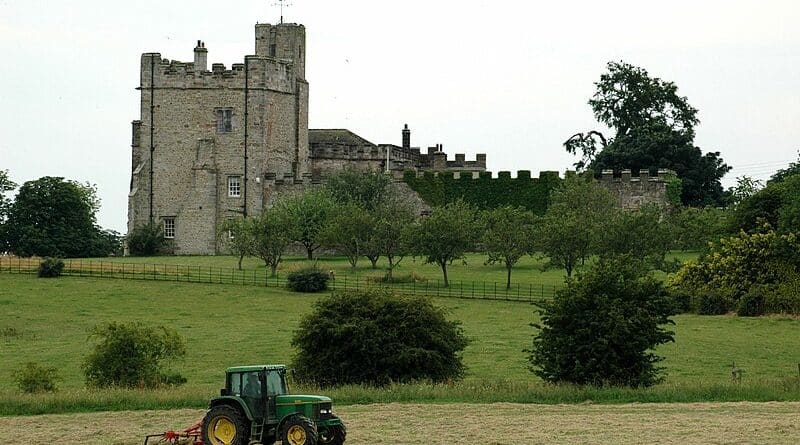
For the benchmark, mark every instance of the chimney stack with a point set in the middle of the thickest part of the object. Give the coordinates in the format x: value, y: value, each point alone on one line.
x: 200, y: 57
x: 406, y: 137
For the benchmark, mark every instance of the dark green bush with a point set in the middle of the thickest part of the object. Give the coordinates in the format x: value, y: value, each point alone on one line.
x: 411, y: 277
x: 602, y: 328
x: 377, y: 338
x: 51, y: 268
x: 751, y: 304
x: 785, y: 299
x: 308, y: 279
x: 146, y: 240
x: 132, y: 355
x: 35, y: 378
x: 711, y: 302
x: 681, y: 300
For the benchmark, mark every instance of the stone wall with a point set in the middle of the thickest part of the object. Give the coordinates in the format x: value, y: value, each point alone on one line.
x: 635, y: 191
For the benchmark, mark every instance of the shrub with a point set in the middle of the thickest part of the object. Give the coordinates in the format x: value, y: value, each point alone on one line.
x: 681, y: 300
x: 375, y: 338
x: 751, y: 304
x: 146, y: 240
x: 307, y: 279
x: 601, y: 329
x: 785, y: 299
x: 51, y: 268
x: 35, y: 378
x: 711, y: 302
x: 132, y: 355
x: 411, y: 277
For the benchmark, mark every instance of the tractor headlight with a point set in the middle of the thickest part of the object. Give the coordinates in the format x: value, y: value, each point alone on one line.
x: 324, y: 411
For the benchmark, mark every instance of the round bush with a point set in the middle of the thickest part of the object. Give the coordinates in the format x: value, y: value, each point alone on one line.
x: 309, y: 279
x: 681, y: 300
x: 35, y: 378
x: 785, y: 299
x: 377, y: 338
x: 751, y: 304
x: 132, y: 355
x: 50, y: 268
x: 713, y: 303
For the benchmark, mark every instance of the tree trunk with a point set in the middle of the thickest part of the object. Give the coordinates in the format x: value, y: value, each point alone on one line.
x: 374, y: 261
x: 274, y: 269
x: 310, y: 252
x: 240, y: 261
x: 444, y: 272
x: 508, y: 280
x: 391, y: 266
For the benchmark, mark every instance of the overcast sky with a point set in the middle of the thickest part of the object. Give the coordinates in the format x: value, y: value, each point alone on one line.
x: 510, y: 79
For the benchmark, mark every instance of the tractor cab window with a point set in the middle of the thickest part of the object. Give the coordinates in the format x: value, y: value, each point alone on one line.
x: 251, y: 386
x: 276, y: 383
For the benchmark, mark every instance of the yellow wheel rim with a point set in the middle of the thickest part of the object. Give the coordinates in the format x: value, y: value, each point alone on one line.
x: 223, y: 431
x: 296, y: 435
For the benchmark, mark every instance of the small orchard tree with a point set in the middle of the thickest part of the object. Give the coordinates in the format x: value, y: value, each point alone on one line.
x: 236, y: 234
x: 308, y: 214
x: 132, y: 355
x: 508, y: 236
x: 602, y: 328
x: 392, y: 233
x: 376, y: 338
x: 269, y: 235
x: 348, y: 232
x: 447, y: 234
x: 642, y: 234
x: 569, y: 230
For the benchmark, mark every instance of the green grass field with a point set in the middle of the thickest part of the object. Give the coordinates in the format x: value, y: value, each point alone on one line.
x: 47, y: 320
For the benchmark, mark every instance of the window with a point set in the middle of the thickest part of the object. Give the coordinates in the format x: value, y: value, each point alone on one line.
x: 169, y: 228
x: 234, y: 186
x: 272, y: 50
x: 224, y: 120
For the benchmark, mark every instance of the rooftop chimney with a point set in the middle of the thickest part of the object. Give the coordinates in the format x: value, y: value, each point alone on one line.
x: 200, y: 57
x: 406, y: 137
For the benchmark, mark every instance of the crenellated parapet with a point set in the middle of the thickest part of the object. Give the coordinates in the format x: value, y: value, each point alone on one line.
x: 635, y: 191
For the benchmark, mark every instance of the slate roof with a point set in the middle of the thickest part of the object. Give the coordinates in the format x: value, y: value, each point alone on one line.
x: 336, y: 137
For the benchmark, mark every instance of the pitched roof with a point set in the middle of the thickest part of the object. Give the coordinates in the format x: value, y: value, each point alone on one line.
x: 336, y: 136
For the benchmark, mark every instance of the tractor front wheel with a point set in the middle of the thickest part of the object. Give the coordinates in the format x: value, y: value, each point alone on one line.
x: 332, y: 435
x: 298, y: 430
x: 225, y: 425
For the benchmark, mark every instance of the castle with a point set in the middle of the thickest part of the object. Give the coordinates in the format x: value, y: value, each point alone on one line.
x: 217, y: 144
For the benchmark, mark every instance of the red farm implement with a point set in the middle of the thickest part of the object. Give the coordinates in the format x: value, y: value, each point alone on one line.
x: 190, y: 436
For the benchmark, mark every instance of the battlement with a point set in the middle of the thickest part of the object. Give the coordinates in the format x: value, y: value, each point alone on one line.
x: 436, y: 159
x: 306, y: 179
x: 643, y: 176
x: 522, y: 175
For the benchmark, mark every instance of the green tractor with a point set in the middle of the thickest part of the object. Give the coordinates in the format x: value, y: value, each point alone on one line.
x: 255, y: 407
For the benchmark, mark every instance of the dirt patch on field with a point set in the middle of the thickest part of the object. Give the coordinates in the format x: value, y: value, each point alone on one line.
x: 501, y: 423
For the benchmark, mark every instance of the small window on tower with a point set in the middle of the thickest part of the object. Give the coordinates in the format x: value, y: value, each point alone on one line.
x: 169, y: 227
x: 224, y: 120
x: 273, y: 49
x: 234, y: 186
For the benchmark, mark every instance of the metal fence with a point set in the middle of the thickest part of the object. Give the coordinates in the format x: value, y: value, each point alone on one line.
x: 482, y: 290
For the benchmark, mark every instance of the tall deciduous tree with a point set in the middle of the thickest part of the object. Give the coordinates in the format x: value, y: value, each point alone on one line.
x: 308, y: 213
x: 654, y: 128
x: 6, y: 185
x: 570, y: 228
x: 447, y: 234
x: 54, y: 217
x: 508, y: 236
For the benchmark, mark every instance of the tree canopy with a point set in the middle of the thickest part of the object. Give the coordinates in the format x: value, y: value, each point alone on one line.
x: 55, y: 217
x: 653, y: 128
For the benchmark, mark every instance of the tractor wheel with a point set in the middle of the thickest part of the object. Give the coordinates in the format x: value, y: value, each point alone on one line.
x: 299, y: 431
x: 224, y: 425
x: 334, y: 435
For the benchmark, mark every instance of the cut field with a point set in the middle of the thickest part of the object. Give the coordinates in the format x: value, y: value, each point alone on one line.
x: 697, y: 423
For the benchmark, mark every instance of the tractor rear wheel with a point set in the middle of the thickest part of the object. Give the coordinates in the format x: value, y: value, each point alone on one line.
x: 298, y: 430
x: 225, y: 425
x: 332, y: 435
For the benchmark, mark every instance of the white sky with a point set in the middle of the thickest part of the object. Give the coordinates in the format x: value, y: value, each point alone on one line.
x: 510, y: 79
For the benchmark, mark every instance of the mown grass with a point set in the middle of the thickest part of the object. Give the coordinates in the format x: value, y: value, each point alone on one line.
x: 48, y: 322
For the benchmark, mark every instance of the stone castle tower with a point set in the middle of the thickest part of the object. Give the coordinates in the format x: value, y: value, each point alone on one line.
x: 208, y: 139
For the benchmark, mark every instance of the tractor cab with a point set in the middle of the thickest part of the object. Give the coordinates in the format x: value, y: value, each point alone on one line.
x: 255, y: 406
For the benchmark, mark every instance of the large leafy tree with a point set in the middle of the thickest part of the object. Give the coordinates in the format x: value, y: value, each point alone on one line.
x: 447, y: 234
x: 569, y: 231
x: 367, y: 189
x: 6, y: 185
x: 653, y: 128
x: 54, y: 217
x: 791, y: 170
x: 509, y: 235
